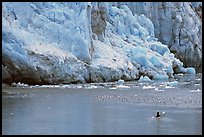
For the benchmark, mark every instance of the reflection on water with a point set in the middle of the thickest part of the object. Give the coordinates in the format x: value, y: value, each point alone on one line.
x: 78, y: 111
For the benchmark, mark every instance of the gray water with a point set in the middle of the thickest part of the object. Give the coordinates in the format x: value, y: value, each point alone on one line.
x: 104, y: 108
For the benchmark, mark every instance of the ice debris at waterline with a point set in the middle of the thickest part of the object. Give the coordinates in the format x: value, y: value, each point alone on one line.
x: 144, y: 79
x: 172, y: 83
x: 79, y: 42
x: 120, y: 82
x: 176, y: 24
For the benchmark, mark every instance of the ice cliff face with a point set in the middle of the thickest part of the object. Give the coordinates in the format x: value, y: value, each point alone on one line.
x: 70, y: 42
x: 177, y: 24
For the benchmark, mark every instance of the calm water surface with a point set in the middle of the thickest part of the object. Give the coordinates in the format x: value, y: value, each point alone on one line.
x: 104, y: 109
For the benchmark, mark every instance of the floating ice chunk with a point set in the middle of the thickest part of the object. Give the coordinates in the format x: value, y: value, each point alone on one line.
x: 120, y: 82
x: 198, y: 90
x: 180, y: 74
x: 113, y: 88
x: 91, y: 87
x: 79, y: 86
x: 160, y: 77
x: 19, y: 84
x: 197, y: 79
x: 144, y: 79
x: 190, y: 70
x: 148, y: 87
x: 168, y: 86
x: 122, y: 86
x: 196, y: 84
x: 172, y: 83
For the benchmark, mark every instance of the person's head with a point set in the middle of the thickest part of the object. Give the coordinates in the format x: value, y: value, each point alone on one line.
x: 158, y: 114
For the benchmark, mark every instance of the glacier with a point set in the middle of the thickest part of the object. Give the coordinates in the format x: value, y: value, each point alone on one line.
x: 177, y: 25
x: 80, y: 42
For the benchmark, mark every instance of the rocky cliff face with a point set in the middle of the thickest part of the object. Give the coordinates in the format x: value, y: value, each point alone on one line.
x: 70, y: 42
x: 177, y: 24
